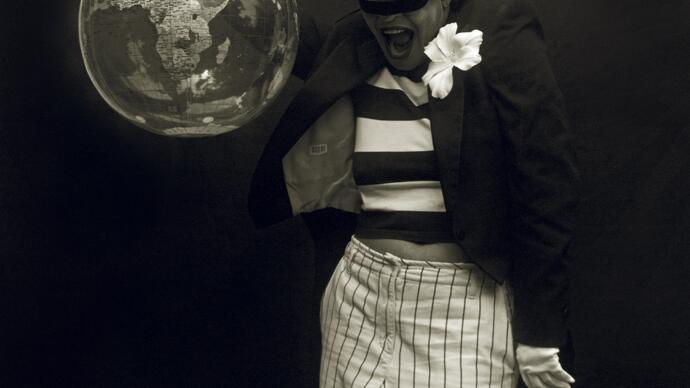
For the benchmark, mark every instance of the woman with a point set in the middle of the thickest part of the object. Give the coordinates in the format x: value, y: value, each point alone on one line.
x: 464, y: 191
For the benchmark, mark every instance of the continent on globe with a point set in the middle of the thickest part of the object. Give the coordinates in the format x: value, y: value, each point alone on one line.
x: 188, y: 67
x: 183, y: 33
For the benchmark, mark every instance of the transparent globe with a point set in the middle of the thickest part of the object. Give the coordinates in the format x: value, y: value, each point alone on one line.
x: 188, y: 68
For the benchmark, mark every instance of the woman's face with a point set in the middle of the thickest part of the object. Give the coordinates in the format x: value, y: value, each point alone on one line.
x: 402, y: 36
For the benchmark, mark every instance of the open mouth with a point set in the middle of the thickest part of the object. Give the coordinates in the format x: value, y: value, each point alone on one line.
x: 399, y: 41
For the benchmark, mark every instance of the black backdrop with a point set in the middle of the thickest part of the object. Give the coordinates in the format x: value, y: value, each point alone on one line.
x: 128, y: 259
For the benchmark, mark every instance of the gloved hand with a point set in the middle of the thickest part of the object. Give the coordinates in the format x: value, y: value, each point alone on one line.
x: 540, y: 367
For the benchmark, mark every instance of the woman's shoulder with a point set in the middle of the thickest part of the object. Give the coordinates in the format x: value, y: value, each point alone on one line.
x: 492, y: 15
x: 350, y: 26
x: 512, y: 31
x: 352, y: 22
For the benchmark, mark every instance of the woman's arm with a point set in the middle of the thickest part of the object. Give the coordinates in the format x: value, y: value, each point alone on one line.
x: 543, y: 177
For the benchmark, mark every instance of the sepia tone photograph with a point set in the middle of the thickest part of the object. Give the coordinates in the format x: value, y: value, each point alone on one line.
x: 345, y: 194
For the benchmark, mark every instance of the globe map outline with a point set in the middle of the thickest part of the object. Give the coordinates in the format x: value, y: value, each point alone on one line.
x: 188, y: 67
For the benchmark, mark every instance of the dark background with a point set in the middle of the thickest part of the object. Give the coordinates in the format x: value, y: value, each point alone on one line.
x: 129, y: 260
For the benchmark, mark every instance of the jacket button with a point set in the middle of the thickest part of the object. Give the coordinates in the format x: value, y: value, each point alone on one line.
x: 460, y: 234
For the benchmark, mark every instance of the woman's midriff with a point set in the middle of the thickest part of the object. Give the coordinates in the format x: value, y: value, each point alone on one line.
x: 444, y: 252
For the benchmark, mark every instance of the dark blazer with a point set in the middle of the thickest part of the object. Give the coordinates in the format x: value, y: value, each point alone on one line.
x: 504, y: 150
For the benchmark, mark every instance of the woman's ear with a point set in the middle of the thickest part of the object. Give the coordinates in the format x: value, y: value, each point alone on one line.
x: 446, y: 3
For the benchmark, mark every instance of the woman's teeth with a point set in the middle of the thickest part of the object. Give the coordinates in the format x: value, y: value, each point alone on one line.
x: 398, y: 36
x: 393, y: 31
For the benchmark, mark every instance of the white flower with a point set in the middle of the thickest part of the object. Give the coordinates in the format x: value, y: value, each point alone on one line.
x: 450, y: 50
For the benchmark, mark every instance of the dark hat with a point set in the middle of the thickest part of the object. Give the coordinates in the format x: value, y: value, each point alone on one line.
x: 390, y: 7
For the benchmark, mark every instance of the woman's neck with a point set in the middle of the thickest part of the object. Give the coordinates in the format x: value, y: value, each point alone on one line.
x: 414, y: 74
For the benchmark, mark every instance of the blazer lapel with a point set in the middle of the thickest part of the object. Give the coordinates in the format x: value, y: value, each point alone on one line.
x: 447, y: 122
x: 446, y: 131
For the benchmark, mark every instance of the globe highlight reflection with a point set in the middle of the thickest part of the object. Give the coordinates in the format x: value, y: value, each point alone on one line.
x: 188, y: 67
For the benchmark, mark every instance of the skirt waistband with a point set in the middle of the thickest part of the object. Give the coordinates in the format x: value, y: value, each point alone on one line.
x: 356, y: 245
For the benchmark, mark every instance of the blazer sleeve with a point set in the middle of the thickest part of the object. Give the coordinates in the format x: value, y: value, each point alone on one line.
x: 542, y: 173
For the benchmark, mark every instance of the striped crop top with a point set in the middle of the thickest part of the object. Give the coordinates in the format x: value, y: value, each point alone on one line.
x: 394, y: 165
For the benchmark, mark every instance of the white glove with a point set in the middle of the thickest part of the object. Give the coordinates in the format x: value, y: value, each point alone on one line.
x: 540, y: 367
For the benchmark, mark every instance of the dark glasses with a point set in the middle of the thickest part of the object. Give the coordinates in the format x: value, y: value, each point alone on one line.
x: 390, y: 7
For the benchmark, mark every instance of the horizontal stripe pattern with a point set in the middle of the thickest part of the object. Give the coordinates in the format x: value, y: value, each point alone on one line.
x: 392, y: 136
x: 382, y: 104
x: 385, y: 167
x: 394, y: 164
x: 423, y: 196
x: 420, y: 227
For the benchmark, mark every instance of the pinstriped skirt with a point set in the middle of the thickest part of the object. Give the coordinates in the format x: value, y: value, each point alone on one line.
x: 397, y: 323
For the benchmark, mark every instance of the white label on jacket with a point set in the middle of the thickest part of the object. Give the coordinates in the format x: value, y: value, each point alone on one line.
x: 318, y: 149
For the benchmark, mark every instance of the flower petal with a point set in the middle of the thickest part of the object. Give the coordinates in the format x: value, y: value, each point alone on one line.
x: 434, y: 52
x: 448, y: 31
x: 441, y: 83
x: 445, y: 38
x: 471, y: 39
x: 434, y: 69
x: 450, y: 49
x: 467, y: 62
